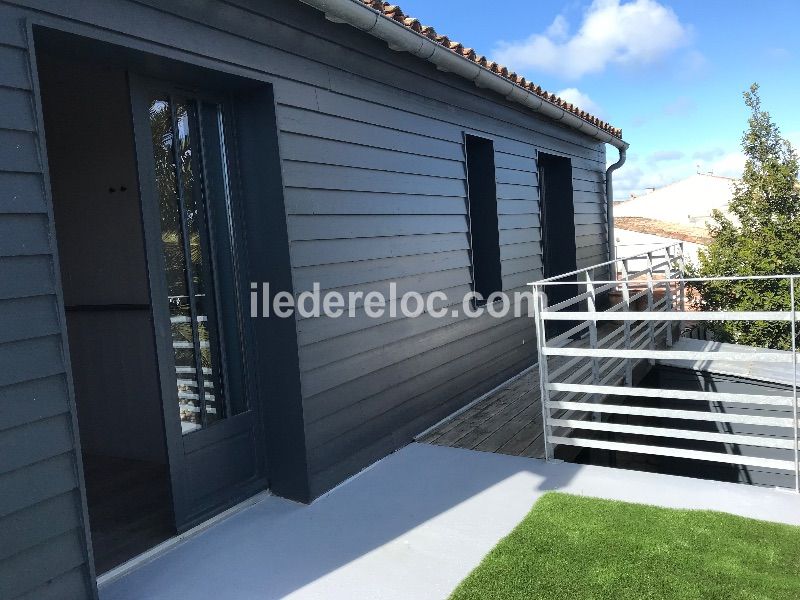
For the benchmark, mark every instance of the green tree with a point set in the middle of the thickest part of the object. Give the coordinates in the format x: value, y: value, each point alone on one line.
x: 761, y: 236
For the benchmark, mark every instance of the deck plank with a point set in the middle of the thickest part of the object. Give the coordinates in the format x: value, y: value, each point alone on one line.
x: 509, y: 419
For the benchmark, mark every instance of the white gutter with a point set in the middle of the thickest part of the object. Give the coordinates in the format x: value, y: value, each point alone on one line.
x: 403, y: 39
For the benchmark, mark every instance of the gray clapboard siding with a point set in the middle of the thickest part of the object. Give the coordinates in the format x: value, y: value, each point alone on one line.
x: 317, y: 329
x: 321, y: 252
x: 42, y: 480
x: 18, y: 151
x: 512, y: 251
x: 32, y: 400
x: 12, y: 29
x: 389, y: 344
x: 413, y: 418
x: 22, y: 192
x: 517, y: 207
x: 17, y: 110
x: 345, y: 202
x: 43, y: 551
x: 36, y: 566
x: 71, y: 584
x: 328, y: 152
x: 323, y: 227
x: 25, y: 318
x: 424, y: 361
x: 312, y: 124
x: 507, y: 191
x: 396, y: 124
x: 27, y: 444
x: 332, y: 277
x: 337, y: 429
x: 23, y: 235
x: 14, y: 71
x: 361, y: 179
x: 36, y: 524
x: 32, y: 359
x: 25, y: 276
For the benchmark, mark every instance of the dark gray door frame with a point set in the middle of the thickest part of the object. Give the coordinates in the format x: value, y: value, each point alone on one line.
x: 190, y: 509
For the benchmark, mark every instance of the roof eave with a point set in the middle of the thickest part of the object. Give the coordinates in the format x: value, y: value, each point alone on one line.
x: 401, y: 38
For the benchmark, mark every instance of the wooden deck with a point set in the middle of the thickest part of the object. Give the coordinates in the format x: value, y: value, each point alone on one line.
x: 508, y: 420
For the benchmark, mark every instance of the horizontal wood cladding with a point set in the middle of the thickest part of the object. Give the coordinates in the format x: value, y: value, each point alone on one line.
x: 374, y: 178
x: 375, y: 193
x: 43, y: 551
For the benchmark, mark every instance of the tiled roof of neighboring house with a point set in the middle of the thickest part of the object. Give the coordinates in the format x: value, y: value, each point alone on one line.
x: 678, y: 231
x: 394, y: 12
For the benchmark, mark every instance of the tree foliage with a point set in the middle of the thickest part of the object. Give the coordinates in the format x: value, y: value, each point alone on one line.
x: 760, y: 237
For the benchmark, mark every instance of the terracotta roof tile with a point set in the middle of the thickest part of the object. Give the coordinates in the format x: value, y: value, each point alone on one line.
x: 394, y: 12
x: 678, y: 231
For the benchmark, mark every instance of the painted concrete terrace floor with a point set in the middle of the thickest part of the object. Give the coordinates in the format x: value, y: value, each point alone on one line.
x: 412, y: 526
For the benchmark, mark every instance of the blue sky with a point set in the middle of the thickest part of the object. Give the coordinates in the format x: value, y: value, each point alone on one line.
x: 669, y: 72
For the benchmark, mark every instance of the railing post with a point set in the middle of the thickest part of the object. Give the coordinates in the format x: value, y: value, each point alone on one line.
x: 539, y: 305
x: 626, y: 324
x: 794, y: 386
x: 651, y: 325
x: 668, y: 292
x: 591, y: 303
x: 681, y: 272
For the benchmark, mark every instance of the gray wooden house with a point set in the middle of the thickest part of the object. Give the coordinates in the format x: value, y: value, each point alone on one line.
x: 156, y: 157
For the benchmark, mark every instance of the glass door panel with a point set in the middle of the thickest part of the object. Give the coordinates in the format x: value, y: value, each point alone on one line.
x: 186, y: 253
x: 200, y: 297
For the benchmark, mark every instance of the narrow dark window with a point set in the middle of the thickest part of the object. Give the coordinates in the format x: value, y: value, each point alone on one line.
x: 483, y: 228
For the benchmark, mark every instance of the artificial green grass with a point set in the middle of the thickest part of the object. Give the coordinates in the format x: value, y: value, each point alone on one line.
x: 576, y: 548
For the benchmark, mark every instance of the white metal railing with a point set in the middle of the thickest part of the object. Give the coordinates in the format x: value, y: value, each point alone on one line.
x: 595, y: 357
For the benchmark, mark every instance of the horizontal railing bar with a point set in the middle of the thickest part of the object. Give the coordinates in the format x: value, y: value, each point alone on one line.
x: 566, y: 335
x: 567, y: 366
x: 669, y: 316
x: 774, y: 357
x: 607, y: 263
x: 681, y: 434
x: 640, y: 392
x: 570, y: 301
x: 545, y: 282
x: 580, y: 371
x: 669, y: 413
x: 610, y: 335
x: 613, y: 373
x: 646, y: 270
x: 734, y: 459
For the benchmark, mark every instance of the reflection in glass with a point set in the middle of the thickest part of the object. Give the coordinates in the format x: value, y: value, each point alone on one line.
x: 185, y: 245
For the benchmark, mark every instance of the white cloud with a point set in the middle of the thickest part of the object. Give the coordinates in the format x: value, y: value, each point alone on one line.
x: 581, y: 100
x: 709, y: 154
x: 681, y: 106
x: 728, y: 165
x: 665, y: 155
x: 663, y: 167
x: 612, y: 32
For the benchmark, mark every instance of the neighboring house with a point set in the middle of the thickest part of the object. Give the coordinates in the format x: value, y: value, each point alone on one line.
x: 689, y: 201
x: 635, y: 235
x: 676, y: 212
x: 307, y: 151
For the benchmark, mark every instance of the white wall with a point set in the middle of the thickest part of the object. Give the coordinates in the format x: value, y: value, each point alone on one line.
x: 629, y: 243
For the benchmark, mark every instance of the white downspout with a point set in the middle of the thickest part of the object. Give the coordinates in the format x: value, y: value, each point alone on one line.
x: 610, y: 201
